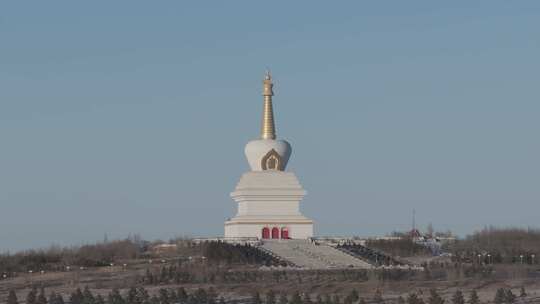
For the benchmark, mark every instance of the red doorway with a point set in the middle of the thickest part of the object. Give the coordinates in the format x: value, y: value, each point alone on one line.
x: 284, y: 233
x: 275, y: 233
x: 265, y: 233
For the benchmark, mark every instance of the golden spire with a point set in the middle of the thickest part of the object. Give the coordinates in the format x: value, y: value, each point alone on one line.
x: 268, y: 130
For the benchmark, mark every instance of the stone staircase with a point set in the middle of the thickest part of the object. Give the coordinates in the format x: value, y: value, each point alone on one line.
x: 308, y: 255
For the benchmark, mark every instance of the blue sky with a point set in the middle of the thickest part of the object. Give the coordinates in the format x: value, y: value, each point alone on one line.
x: 121, y: 117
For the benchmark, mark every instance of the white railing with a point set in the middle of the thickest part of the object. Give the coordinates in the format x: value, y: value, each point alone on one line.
x: 236, y: 240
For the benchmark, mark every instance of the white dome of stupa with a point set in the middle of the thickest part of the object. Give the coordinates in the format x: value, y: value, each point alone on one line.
x: 268, y: 154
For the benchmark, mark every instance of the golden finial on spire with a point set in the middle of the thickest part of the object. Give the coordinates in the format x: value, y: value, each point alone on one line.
x: 267, y: 83
x: 268, y: 130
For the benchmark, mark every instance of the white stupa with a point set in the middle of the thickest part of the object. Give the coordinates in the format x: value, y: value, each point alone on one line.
x: 268, y: 197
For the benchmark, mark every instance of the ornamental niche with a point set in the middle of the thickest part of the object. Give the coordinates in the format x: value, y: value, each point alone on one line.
x: 272, y: 161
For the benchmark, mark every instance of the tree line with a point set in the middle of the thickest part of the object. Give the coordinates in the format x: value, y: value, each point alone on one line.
x: 134, y: 295
x: 57, y: 258
x: 107, y: 253
x: 502, y: 296
x: 404, y: 247
x: 497, y: 246
x: 139, y: 295
x: 225, y: 253
x: 203, y: 274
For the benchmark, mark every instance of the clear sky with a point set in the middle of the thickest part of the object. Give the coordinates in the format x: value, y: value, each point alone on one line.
x: 121, y: 117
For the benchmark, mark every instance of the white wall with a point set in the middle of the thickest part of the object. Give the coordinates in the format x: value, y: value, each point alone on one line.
x: 296, y: 231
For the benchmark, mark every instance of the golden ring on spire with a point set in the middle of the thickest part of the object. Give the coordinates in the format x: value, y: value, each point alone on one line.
x: 268, y: 130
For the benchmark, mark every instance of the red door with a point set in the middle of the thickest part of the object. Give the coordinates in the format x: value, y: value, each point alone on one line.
x: 275, y: 233
x: 266, y: 233
x: 284, y: 233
